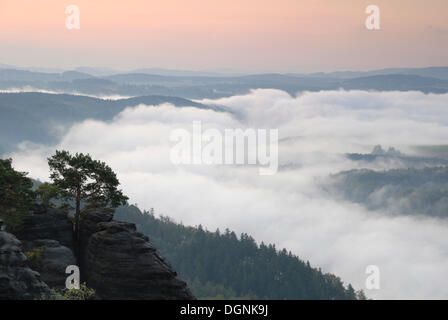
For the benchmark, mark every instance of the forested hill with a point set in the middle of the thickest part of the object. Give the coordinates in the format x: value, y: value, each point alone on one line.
x: 222, y: 265
x: 404, y: 191
x: 32, y: 116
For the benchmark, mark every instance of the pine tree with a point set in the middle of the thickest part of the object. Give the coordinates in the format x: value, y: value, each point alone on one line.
x: 80, y: 178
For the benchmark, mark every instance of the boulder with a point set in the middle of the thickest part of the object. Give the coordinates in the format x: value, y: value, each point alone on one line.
x: 17, y: 280
x: 121, y: 263
x: 53, y: 261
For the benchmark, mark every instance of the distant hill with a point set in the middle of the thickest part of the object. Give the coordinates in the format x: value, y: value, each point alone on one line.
x: 31, y: 115
x: 97, y: 72
x: 399, y: 82
x: 178, y: 73
x: 420, y: 188
x: 197, y: 85
x: 432, y: 72
x: 142, y: 78
x: 25, y: 75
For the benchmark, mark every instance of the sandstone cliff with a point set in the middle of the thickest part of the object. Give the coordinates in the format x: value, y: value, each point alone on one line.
x: 17, y: 280
x: 121, y: 263
x: 48, y: 231
x: 114, y: 259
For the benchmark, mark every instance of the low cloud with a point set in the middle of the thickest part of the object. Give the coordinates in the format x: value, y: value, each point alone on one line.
x: 288, y: 208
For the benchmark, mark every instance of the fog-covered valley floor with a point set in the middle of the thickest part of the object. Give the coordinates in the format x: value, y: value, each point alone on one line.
x: 293, y: 208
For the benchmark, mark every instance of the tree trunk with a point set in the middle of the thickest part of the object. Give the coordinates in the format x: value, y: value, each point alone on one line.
x: 77, y: 217
x: 77, y: 214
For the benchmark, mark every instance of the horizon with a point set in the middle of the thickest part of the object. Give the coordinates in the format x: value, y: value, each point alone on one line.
x: 143, y: 69
x: 251, y: 37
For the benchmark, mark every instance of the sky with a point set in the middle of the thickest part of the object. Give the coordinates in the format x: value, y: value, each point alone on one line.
x: 243, y: 35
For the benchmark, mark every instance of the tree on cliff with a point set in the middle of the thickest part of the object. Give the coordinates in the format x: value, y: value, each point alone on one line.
x: 82, y: 179
x: 16, y: 194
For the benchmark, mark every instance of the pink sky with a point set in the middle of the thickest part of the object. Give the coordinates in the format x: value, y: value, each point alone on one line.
x: 246, y: 35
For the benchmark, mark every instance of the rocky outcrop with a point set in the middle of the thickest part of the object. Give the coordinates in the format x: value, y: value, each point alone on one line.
x: 114, y: 259
x: 49, y: 232
x: 47, y: 223
x: 90, y: 218
x: 52, y: 262
x: 17, y: 280
x: 121, y: 263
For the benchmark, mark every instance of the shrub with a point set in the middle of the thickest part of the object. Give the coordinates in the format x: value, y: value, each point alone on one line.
x: 83, y: 293
x: 47, y: 191
x: 35, y: 256
x: 16, y: 195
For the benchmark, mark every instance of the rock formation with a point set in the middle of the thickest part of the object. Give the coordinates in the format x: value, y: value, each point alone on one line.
x: 17, y: 280
x: 49, y: 231
x: 114, y: 259
x: 47, y: 222
x: 53, y: 261
x: 121, y: 263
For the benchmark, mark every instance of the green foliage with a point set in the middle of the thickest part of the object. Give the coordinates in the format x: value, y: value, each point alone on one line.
x: 47, y: 191
x: 223, y: 266
x: 79, y: 178
x: 213, y: 291
x: 360, y: 295
x: 35, y: 256
x: 83, y: 293
x: 16, y: 195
